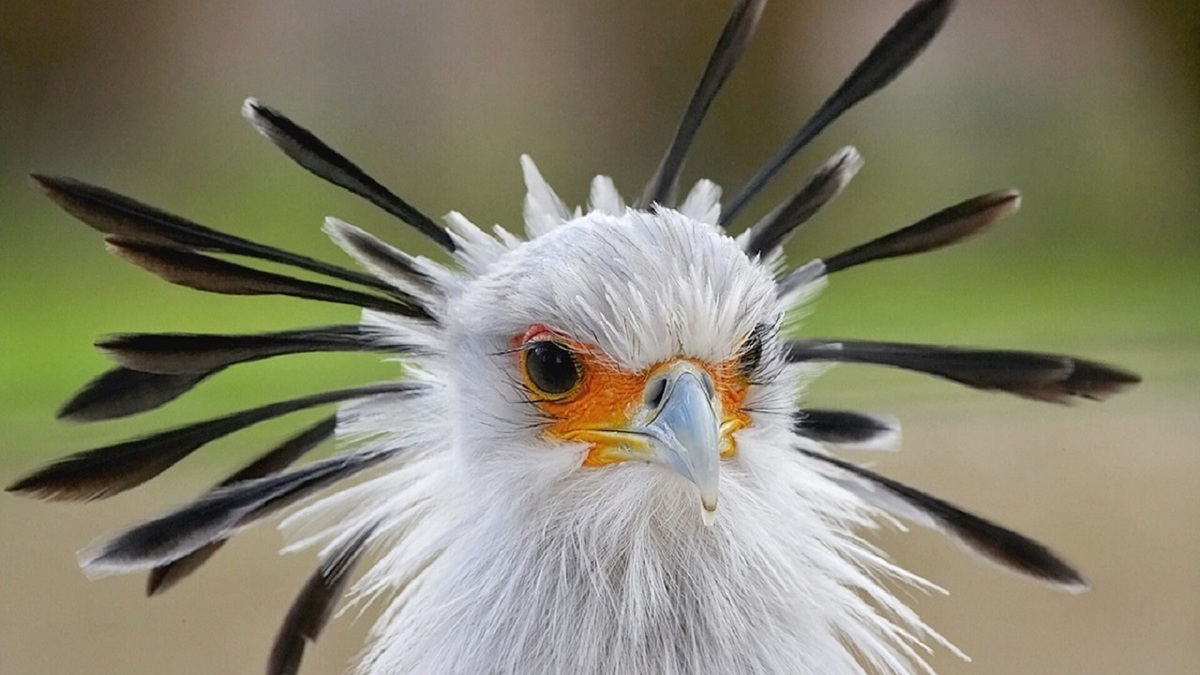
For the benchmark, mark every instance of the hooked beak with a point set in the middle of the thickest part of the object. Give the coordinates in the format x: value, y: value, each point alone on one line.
x: 678, y: 427
x: 687, y: 431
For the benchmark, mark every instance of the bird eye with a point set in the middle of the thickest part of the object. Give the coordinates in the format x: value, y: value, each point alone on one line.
x: 750, y: 355
x: 551, y: 370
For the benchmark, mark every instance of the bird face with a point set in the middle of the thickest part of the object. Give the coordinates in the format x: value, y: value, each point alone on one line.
x: 641, y: 338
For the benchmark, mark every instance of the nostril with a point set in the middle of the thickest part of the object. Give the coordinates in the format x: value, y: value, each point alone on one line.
x: 655, y: 392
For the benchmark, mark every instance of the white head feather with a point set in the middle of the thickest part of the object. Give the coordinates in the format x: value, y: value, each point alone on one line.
x: 509, y: 556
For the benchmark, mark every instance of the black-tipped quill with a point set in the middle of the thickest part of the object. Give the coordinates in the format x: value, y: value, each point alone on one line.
x: 730, y: 47
x: 120, y: 216
x: 274, y: 460
x: 314, y: 605
x: 998, y: 544
x: 826, y: 183
x: 198, y: 353
x: 842, y: 427
x: 1042, y: 377
x: 205, y: 273
x: 217, y: 514
x: 314, y: 155
x: 106, y: 471
x: 894, y: 52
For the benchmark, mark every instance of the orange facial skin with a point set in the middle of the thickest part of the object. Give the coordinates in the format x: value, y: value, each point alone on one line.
x: 607, y: 397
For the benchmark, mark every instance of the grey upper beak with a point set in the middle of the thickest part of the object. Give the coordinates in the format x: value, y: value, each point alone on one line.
x: 685, y: 425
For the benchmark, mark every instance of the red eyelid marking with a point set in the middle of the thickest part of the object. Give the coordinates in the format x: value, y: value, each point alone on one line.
x: 540, y: 331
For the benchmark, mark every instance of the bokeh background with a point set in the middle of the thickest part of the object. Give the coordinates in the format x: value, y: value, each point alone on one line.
x: 1091, y: 108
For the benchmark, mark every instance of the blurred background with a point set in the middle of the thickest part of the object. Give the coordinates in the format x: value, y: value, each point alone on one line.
x: 1091, y: 108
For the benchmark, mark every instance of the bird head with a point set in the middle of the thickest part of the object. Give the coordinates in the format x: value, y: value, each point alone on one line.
x: 616, y: 347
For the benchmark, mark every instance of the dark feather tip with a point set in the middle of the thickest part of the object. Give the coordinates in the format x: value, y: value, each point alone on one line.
x: 311, y: 610
x: 1011, y: 550
x: 109, y: 470
x: 842, y: 427
x: 122, y: 392
x: 1097, y: 381
x: 311, y: 153
x: 894, y: 52
x: 111, y: 213
x: 944, y: 228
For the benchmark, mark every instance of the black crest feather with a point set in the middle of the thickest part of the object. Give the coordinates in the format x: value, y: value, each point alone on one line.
x: 119, y: 216
x: 1003, y: 546
x: 894, y: 52
x: 273, y: 461
x: 313, y: 606
x: 220, y: 512
x: 730, y: 47
x: 1042, y: 377
x: 205, y: 273
x: 106, y: 471
x: 172, y: 353
x: 323, y: 161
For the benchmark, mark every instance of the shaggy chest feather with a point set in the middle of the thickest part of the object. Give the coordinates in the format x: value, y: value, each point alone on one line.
x: 546, y: 584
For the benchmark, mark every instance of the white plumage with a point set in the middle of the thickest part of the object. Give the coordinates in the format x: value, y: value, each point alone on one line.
x: 596, y: 460
x: 528, y: 563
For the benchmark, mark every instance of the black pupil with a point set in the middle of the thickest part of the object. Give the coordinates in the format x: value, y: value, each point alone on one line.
x: 551, y: 368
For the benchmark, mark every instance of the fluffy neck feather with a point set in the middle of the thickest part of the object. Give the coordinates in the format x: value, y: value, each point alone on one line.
x: 543, y: 580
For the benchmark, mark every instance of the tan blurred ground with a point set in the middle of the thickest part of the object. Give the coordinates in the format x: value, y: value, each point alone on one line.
x: 1112, y: 487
